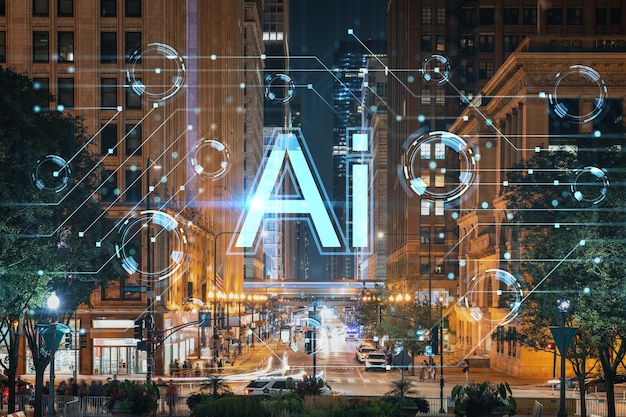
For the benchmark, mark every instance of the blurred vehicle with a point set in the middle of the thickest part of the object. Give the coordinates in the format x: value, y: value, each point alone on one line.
x: 376, y: 360
x: 270, y: 386
x: 362, y: 351
x: 352, y: 334
x: 597, y: 384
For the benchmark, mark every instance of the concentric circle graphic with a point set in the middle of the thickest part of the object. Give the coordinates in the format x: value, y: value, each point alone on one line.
x: 279, y: 88
x: 165, y: 232
x: 424, y: 165
x: 579, y: 78
x: 52, y: 173
x: 436, y: 68
x: 157, y: 72
x: 495, y: 290
x: 210, y: 158
x: 590, y: 185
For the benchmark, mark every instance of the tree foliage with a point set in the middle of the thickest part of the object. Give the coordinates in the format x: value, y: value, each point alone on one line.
x: 49, y: 217
x: 570, y: 225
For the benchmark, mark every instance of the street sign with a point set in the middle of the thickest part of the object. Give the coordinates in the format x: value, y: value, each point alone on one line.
x: 557, y: 335
x: 402, y: 360
x: 134, y: 289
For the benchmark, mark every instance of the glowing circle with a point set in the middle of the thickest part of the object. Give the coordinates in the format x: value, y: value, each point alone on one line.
x: 279, y: 88
x: 52, y: 173
x: 593, y: 181
x: 423, y: 164
x: 210, y: 158
x: 572, y: 79
x: 157, y: 72
x: 165, y: 232
x: 436, y: 68
x: 494, y: 288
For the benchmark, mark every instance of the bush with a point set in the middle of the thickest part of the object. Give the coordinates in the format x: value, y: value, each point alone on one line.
x: 231, y: 406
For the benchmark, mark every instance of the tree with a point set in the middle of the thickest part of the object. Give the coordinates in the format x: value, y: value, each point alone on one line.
x: 49, y: 218
x: 572, y: 241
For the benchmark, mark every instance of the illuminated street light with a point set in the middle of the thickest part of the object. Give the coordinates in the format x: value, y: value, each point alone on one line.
x: 563, y: 305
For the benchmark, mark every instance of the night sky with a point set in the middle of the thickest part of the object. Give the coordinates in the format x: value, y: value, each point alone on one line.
x: 316, y: 29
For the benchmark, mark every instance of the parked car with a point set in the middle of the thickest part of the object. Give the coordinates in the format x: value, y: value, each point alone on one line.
x: 376, y: 360
x: 362, y: 351
x: 270, y: 386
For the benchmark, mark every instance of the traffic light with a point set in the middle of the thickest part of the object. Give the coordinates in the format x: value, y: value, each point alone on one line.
x: 68, y: 340
x: 308, y: 342
x: 83, y: 340
x: 204, y: 318
x: 551, y: 346
x: 143, y: 345
x: 138, y: 331
x: 434, y: 339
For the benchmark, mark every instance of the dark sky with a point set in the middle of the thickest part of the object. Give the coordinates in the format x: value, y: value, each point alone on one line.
x: 316, y: 29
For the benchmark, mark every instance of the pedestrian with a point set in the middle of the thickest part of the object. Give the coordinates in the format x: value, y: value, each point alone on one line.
x: 423, y: 371
x: 171, y: 394
x: 432, y: 372
x: 466, y: 369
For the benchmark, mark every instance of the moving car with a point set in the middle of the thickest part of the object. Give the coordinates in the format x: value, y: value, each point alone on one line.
x: 352, y: 334
x: 362, y: 351
x: 376, y: 360
x: 270, y: 386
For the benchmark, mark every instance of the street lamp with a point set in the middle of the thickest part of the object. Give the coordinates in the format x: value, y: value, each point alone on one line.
x: 215, y: 291
x: 563, y: 305
x: 53, y: 333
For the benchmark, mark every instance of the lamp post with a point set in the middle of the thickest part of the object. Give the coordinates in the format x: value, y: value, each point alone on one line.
x: 563, y: 305
x: 215, y: 291
x: 441, y: 381
x: 149, y: 319
x: 53, y: 334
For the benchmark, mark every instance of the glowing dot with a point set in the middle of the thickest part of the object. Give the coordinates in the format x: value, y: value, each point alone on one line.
x: 484, y: 205
x: 597, y: 260
x: 455, y: 215
x: 555, y: 203
x: 242, y: 85
x: 489, y: 144
x: 462, y: 262
x: 421, y: 118
x: 432, y: 165
x: 60, y: 107
x: 507, y: 255
x: 40, y: 272
x: 174, y: 154
x: 133, y: 167
x: 489, y: 122
x: 597, y: 133
x: 410, y: 79
x: 450, y: 275
x: 582, y: 242
x: 36, y: 109
x: 586, y: 290
x: 509, y: 216
x: 398, y: 118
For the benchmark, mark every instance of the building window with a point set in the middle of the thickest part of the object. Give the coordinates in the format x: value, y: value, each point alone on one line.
x: 487, y: 16
x: 440, y: 235
x: 554, y: 16
x: 133, y: 100
x: 66, y: 46
x: 108, y: 189
x: 133, y: 139
x: 425, y: 151
x: 485, y: 69
x: 133, y: 185
x: 441, y: 15
x: 41, y: 8
x: 424, y: 235
x: 108, y: 140
x: 510, y: 42
x: 424, y: 208
x: 529, y: 16
x: 441, y: 43
x: 66, y: 93
x: 440, y: 151
x: 574, y: 16
x: 65, y: 8
x: 3, y: 7
x: 427, y: 16
x: 467, y: 43
x: 133, y: 43
x: 41, y: 41
x: 108, y: 92
x: 425, y: 99
x: 108, y: 8
x: 108, y: 47
x: 616, y: 16
x: 486, y: 43
x: 440, y: 97
x: 424, y: 265
x: 511, y: 16
x: 133, y: 8
x: 3, y: 46
x: 427, y: 43
x: 439, y: 211
x: 601, y: 17
x: 440, y: 181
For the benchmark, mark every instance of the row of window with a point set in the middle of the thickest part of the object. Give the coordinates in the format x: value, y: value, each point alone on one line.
x: 108, y: 93
x: 65, y: 46
x: 65, y: 8
x: 511, y: 16
x: 467, y: 43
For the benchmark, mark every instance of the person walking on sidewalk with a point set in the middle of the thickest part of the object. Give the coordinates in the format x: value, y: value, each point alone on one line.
x: 466, y: 369
x: 171, y: 395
